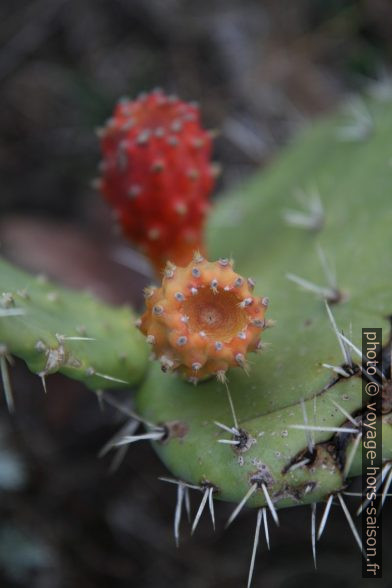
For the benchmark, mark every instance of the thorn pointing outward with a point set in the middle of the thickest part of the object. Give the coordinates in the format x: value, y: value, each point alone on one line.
x: 99, y: 395
x: 351, y: 523
x: 344, y: 412
x: 328, y: 272
x: 126, y: 430
x: 337, y: 369
x: 118, y: 458
x: 241, y: 504
x: 322, y: 428
x: 211, y: 505
x: 270, y: 504
x: 351, y: 455
x: 311, y: 218
x: 187, y: 502
x: 200, y: 510
x: 298, y: 464
x: 324, y: 518
x: 62, y: 338
x: 207, y: 495
x: 43, y: 381
x: 255, y: 545
x: 174, y: 481
x: 231, y: 406
x: 154, y: 435
x: 177, y: 513
x: 327, y: 293
x: 358, y: 352
x: 110, y: 378
x: 228, y: 441
x: 6, y: 381
x: 112, y: 401
x: 346, y: 356
x: 232, y: 431
x: 266, y: 531
x: 313, y: 532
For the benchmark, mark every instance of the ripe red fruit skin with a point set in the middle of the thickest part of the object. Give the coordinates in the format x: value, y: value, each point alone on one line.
x: 157, y: 175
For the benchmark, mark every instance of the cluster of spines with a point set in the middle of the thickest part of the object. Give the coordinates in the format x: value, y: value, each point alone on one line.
x: 157, y: 174
x: 203, y: 319
x: 54, y: 329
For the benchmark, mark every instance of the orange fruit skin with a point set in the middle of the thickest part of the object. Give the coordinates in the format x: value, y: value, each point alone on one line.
x: 203, y: 319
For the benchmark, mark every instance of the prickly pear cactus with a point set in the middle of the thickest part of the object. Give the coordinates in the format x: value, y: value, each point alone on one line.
x: 294, y: 435
x: 54, y: 329
x: 289, y: 432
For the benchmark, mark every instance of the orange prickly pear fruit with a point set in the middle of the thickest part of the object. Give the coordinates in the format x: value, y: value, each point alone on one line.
x: 203, y: 319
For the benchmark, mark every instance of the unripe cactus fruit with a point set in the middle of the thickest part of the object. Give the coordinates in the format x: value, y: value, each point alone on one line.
x: 157, y: 174
x: 203, y: 319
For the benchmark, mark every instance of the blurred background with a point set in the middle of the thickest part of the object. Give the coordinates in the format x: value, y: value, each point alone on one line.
x: 261, y: 70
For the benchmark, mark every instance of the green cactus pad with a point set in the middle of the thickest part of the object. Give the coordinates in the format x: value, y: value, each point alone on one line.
x: 69, y: 332
x: 253, y: 225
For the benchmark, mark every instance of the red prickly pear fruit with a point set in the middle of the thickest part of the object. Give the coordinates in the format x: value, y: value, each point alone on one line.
x: 157, y: 175
x: 203, y: 319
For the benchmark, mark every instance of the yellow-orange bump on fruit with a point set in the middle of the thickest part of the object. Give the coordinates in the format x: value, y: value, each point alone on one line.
x: 203, y: 319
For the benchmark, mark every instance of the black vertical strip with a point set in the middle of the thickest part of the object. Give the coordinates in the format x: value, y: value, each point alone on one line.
x: 371, y: 451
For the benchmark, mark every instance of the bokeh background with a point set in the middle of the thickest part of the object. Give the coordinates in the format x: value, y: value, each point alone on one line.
x: 260, y: 70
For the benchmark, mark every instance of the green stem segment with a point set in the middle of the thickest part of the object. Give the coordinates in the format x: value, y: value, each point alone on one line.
x: 59, y: 330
